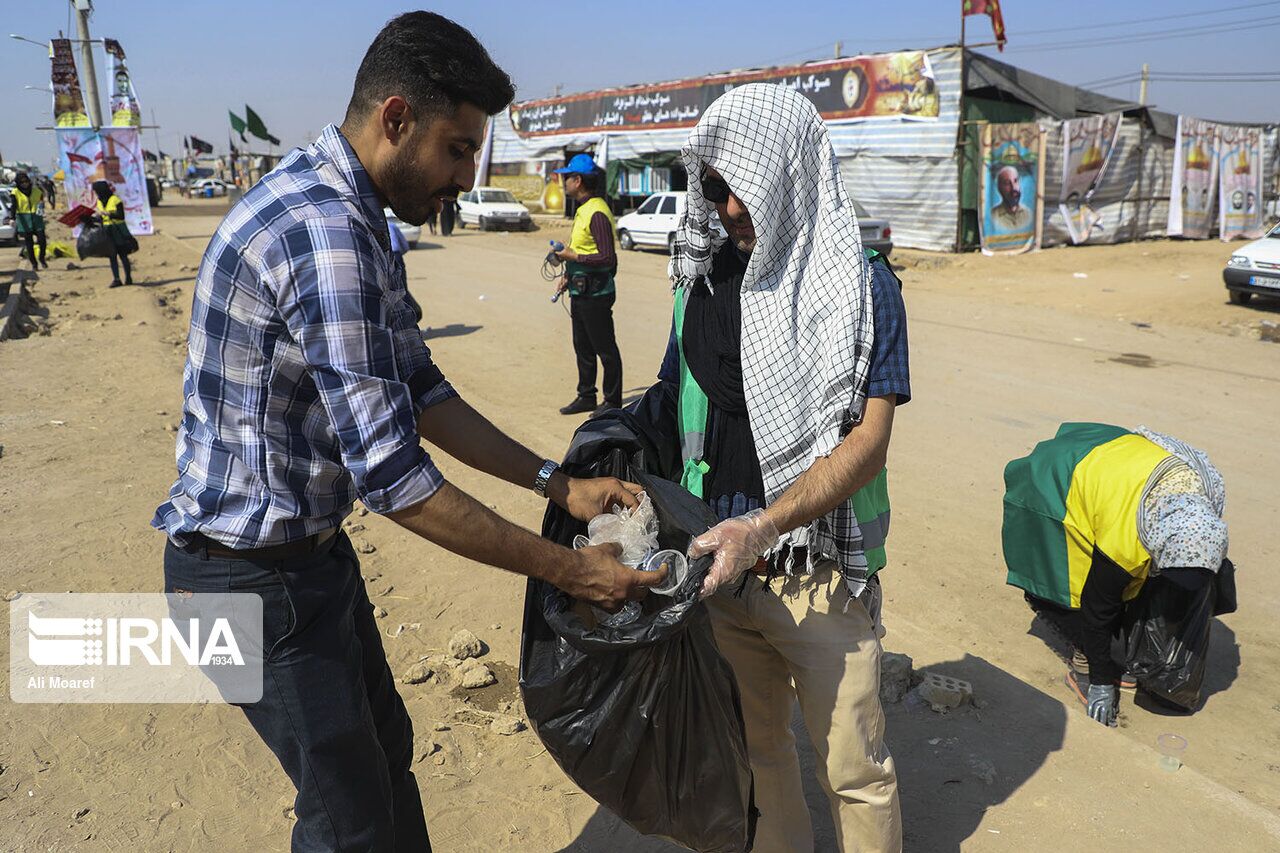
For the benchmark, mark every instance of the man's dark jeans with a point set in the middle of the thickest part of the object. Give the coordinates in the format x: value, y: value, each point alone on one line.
x: 593, y: 337
x: 329, y: 709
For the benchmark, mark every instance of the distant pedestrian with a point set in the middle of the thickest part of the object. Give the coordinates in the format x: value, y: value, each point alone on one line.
x: 431, y: 222
x: 28, y: 209
x: 111, y: 216
x: 448, y: 215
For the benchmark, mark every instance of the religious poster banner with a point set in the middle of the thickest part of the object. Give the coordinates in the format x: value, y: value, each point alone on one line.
x: 111, y: 154
x: 1195, y: 178
x: 1087, y: 144
x: 68, y: 102
x: 884, y: 86
x: 1012, y: 184
x: 1240, y: 197
x: 124, y: 100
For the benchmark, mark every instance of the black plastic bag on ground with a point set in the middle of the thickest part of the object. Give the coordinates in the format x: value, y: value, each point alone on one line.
x: 645, y: 717
x: 94, y: 242
x: 1168, y: 647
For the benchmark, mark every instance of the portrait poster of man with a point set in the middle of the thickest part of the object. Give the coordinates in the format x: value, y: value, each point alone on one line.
x: 1240, y: 182
x: 1013, y: 178
x: 125, y: 111
x: 1195, y: 178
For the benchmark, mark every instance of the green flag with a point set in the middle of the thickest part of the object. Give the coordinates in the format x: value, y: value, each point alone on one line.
x: 256, y: 127
x: 238, y: 125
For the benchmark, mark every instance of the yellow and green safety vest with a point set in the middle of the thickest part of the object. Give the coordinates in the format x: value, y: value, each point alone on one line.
x: 870, y: 503
x: 1077, y: 492
x: 581, y: 241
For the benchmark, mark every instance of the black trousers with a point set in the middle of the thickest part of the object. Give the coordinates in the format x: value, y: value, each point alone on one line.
x: 329, y: 709
x: 593, y: 338
x: 32, y: 241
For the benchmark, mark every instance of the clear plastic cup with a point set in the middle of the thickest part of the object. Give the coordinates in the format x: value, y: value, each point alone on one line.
x: 677, y: 569
x: 1172, y: 748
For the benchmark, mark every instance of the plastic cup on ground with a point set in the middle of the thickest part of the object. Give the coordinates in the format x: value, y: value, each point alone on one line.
x: 1172, y: 748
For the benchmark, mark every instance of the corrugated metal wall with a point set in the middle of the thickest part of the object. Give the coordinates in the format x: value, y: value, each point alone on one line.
x: 906, y: 171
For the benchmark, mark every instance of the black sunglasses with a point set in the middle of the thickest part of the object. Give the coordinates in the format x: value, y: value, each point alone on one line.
x: 715, y: 190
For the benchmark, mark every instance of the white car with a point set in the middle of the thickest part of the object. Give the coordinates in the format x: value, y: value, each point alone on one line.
x: 654, y: 222
x: 411, y: 233
x: 492, y: 207
x: 1254, y: 268
x: 8, y: 228
x: 198, y: 188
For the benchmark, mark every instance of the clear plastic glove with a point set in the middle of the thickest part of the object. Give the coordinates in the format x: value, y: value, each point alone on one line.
x: 1104, y: 702
x: 738, y: 544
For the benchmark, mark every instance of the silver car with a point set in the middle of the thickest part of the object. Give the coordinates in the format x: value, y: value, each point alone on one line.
x: 8, y: 228
x: 411, y: 233
x: 876, y: 233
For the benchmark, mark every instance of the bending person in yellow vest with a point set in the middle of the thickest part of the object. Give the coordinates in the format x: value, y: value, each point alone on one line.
x: 1090, y: 517
x: 28, y: 215
x: 591, y: 264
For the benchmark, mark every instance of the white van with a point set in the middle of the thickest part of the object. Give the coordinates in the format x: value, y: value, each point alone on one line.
x: 1254, y: 268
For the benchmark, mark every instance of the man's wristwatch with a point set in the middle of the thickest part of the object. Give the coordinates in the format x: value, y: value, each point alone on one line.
x: 544, y: 477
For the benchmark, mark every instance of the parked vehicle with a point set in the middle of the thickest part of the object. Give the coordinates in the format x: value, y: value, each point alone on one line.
x: 654, y: 222
x: 209, y: 186
x: 1254, y: 268
x: 492, y: 207
x: 876, y: 233
x: 411, y: 233
x: 8, y: 228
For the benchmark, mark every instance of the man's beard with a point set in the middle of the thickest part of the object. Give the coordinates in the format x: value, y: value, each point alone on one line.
x: 401, y: 180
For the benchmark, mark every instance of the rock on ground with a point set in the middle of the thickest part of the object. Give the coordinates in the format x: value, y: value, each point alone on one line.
x: 478, y: 676
x: 465, y: 644
x: 418, y: 673
x: 895, y: 677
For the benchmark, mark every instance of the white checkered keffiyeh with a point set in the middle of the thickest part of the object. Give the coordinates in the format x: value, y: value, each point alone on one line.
x: 807, y: 325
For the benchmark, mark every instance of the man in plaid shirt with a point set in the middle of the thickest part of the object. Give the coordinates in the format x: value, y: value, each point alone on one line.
x: 307, y: 385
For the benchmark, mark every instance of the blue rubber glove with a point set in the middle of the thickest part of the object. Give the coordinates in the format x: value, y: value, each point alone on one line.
x: 1104, y: 703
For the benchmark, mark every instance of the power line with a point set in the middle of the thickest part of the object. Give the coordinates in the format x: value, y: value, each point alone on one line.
x: 1162, y: 35
x: 1096, y: 25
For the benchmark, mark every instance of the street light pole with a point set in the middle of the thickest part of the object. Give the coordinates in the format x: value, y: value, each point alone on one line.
x: 83, y: 8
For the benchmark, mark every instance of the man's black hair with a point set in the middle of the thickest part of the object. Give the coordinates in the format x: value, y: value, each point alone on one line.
x: 431, y: 62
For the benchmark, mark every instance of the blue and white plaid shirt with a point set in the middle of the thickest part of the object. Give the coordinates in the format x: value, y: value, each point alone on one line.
x: 306, y: 372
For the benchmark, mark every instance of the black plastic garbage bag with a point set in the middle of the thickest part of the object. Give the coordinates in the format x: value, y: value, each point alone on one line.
x: 1168, y: 647
x: 94, y: 242
x: 645, y: 717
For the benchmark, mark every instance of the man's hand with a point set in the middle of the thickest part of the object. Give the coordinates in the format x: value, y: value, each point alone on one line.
x: 738, y: 544
x: 585, y: 499
x: 567, y: 254
x: 1104, y: 702
x: 596, y: 577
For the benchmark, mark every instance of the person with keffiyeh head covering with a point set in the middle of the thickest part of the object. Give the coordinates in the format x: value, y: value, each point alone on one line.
x: 1090, y: 516
x: 788, y: 354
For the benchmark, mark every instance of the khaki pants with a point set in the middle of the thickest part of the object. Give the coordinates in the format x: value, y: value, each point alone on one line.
x: 801, y: 642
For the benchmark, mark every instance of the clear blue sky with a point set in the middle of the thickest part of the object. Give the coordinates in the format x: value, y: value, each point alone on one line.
x: 293, y: 61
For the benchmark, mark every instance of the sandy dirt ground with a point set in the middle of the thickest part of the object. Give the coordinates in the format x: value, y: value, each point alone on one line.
x: 1003, y: 349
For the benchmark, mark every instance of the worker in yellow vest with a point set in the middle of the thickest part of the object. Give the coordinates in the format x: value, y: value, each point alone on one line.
x: 111, y: 215
x: 591, y: 262
x: 28, y: 209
